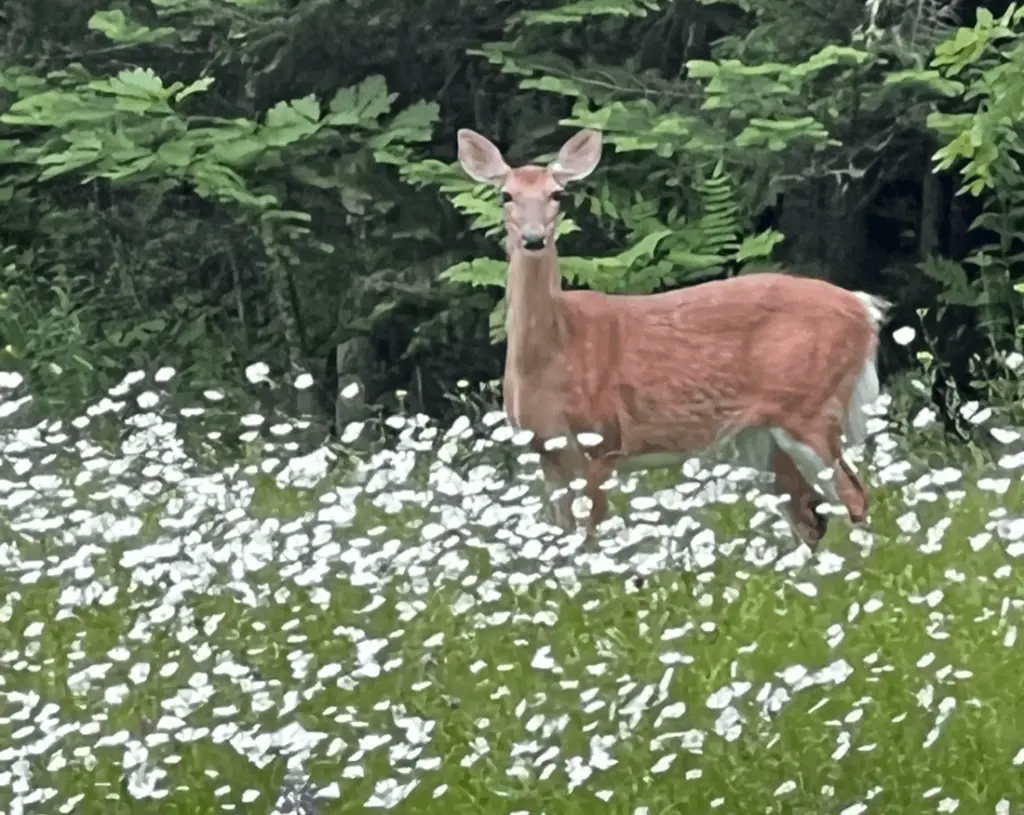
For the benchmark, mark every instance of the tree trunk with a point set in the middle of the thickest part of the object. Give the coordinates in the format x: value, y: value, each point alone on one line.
x: 353, y: 363
x: 826, y: 235
x: 932, y: 211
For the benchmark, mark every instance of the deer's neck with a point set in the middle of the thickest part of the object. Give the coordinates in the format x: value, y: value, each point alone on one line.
x: 536, y: 313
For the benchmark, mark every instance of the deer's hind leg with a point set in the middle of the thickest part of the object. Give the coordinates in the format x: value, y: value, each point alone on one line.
x: 806, y: 523
x: 857, y: 500
x: 817, y: 452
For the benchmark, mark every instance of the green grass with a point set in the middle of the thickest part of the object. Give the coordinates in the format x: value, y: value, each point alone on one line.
x: 409, y: 653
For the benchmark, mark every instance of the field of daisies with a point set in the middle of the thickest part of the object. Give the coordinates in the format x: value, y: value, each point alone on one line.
x: 320, y: 629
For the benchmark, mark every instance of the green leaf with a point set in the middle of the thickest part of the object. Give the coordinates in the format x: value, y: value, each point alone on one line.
x: 552, y: 84
x: 644, y: 248
x: 68, y: 160
x: 701, y: 69
x: 56, y: 109
x: 497, y: 322
x: 112, y: 23
x: 760, y: 245
x: 673, y: 125
x: 127, y: 170
x: 964, y: 48
x: 949, y: 124
x: 413, y: 124
x: 577, y: 12
x: 735, y: 68
x: 238, y: 152
x: 416, y: 122
x: 477, y: 272
x: 199, y: 86
x: 949, y: 273
x: 828, y: 57
x: 487, y: 210
x: 176, y: 153
x: 286, y: 215
x: 138, y: 83
x: 9, y: 149
x: 777, y: 133
x: 930, y: 79
x: 803, y: 124
x: 220, y: 182
x: 289, y: 122
x: 116, y: 27
x: 308, y: 107
x: 361, y: 104
x: 689, y: 261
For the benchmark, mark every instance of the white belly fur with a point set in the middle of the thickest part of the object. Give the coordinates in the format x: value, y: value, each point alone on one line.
x: 752, y: 448
x: 748, y: 448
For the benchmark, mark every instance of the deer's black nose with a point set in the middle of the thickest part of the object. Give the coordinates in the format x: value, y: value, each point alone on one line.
x: 533, y: 243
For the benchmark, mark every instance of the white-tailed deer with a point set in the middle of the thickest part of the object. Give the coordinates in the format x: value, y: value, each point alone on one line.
x: 774, y: 365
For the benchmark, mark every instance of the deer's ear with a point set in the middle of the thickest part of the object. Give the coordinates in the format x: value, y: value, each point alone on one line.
x: 481, y: 160
x: 577, y: 158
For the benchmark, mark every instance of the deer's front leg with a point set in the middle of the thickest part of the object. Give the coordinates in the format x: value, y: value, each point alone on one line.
x: 598, y: 471
x: 557, y: 466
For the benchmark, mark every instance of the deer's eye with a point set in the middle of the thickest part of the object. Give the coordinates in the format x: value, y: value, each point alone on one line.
x: 558, y: 195
x: 506, y: 197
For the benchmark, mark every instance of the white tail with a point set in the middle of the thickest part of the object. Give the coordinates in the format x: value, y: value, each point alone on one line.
x: 772, y: 366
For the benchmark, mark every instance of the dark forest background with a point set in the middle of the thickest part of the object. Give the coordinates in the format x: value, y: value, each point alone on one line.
x: 210, y: 183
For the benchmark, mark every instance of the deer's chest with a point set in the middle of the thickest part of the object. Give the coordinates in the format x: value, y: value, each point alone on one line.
x: 535, y: 403
x: 546, y: 407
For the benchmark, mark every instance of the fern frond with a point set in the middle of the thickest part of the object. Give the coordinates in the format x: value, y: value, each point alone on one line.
x: 719, y: 226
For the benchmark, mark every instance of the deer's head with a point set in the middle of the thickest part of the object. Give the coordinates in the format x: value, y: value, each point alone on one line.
x: 530, y: 194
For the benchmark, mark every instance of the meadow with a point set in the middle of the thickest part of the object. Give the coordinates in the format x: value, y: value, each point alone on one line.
x: 308, y: 632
